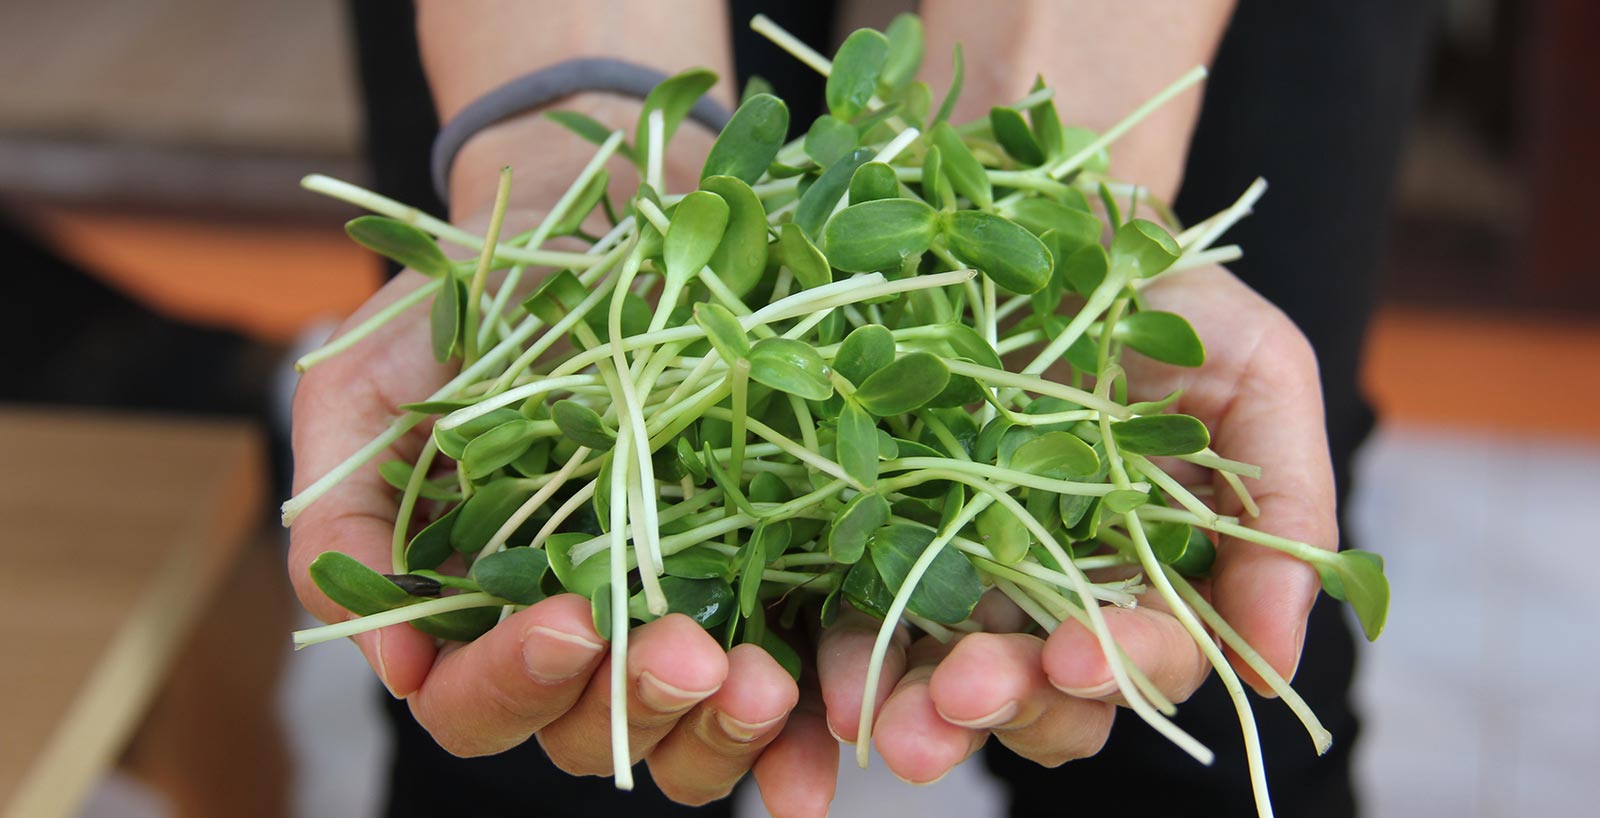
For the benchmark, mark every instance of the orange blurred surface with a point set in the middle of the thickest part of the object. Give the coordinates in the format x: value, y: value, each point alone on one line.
x: 1496, y: 373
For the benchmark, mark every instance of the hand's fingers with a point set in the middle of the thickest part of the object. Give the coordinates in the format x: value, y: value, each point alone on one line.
x: 1260, y: 394
x: 1154, y: 641
x: 842, y: 656
x: 673, y: 665
x: 339, y: 405
x: 996, y: 682
x: 916, y: 744
x: 493, y: 693
x: 799, y: 770
x: 715, y: 745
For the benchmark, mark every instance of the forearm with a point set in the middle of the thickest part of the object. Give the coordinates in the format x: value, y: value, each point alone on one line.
x: 1102, y: 57
x: 472, y: 46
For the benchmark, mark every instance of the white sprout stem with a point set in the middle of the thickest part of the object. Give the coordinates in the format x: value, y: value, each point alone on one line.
x: 1040, y: 386
x: 1242, y: 493
x: 654, y: 158
x: 532, y: 504
x: 1308, y: 553
x: 891, y: 621
x: 408, y: 503
x: 1029, y: 606
x: 537, y: 387
x: 647, y: 525
x: 621, y: 763
x: 1098, y: 302
x: 1199, y: 238
x: 367, y: 327
x: 558, y: 211
x: 393, y: 616
x: 385, y: 206
x: 1115, y: 132
x: 918, y: 465
x: 563, y: 512
x: 763, y: 25
x: 886, y: 154
x: 1211, y: 460
x: 1321, y: 739
x: 1172, y: 487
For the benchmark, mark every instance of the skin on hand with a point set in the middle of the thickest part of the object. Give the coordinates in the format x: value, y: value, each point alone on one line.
x: 1052, y: 700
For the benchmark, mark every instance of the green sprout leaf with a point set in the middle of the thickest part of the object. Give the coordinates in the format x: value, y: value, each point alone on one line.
x: 1143, y: 248
x: 879, y: 235
x: 816, y: 204
x: 697, y: 562
x: 497, y: 447
x: 790, y: 366
x: 355, y: 587
x: 587, y: 128
x: 1164, y: 336
x: 708, y: 601
x: 864, y: 351
x: 948, y: 591
x: 1084, y: 269
x: 512, y: 574
x: 830, y: 139
x: 1366, y: 589
x: 447, y: 317
x: 873, y: 181
x: 1198, y: 555
x: 431, y: 546
x: 1047, y: 125
x: 1124, y: 501
x: 400, y: 242
x: 673, y: 97
x: 958, y: 75
x: 1075, y: 229
x: 741, y: 257
x: 858, y: 443
x: 559, y: 295
x: 485, y: 511
x: 583, y: 425
x: 750, y: 141
x: 582, y: 579
x: 856, y: 68
x: 723, y: 330
x: 904, y: 385
x: 809, y: 266
x: 905, y: 51
x: 1013, y: 134
x: 1002, y: 250
x: 1056, y: 455
x: 1161, y: 435
x: 854, y: 524
x: 1006, y: 537
x: 397, y: 473
x: 966, y: 174
x: 696, y: 229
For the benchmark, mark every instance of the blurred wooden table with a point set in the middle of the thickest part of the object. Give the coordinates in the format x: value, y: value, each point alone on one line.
x: 118, y: 531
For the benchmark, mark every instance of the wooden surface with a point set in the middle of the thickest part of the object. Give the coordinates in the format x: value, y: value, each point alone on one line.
x: 116, y: 531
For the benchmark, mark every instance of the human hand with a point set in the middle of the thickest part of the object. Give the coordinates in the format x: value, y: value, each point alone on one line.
x: 700, y: 717
x: 1052, y: 700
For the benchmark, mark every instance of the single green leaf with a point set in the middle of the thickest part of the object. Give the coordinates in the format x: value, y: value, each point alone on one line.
x: 674, y: 96
x: 1164, y: 336
x: 697, y: 562
x: 916, y: 103
x: 830, y: 139
x: 1013, y: 134
x: 401, y: 242
x: 1056, y: 455
x: 694, y: 233
x: 1084, y: 269
x: 767, y: 487
x: 1123, y: 501
x: 535, y: 461
x: 751, y: 559
x: 1077, y: 139
x: 816, y: 203
x: 557, y: 296
x: 966, y: 174
x: 582, y: 579
x: 782, y: 652
x: 485, y: 511
x: 446, y: 318
x: 1005, y: 535
x: 1366, y: 589
x: 864, y: 351
x: 636, y: 315
x: 1143, y: 248
x: 723, y: 330
x: 756, y: 84
x: 864, y: 588
x: 431, y: 546
x: 858, y: 443
x: 790, y: 366
x: 879, y: 235
x: 1075, y: 229
x: 804, y: 260
x: 950, y: 588
x: 905, y: 51
x: 588, y: 129
x: 1198, y: 555
x: 741, y: 257
x: 582, y: 424
x: 750, y: 140
x: 600, y: 612
x: 512, y: 574
x: 708, y: 601
x: 459, y: 626
x: 873, y: 181
x: 934, y: 182
x: 856, y: 67
x: 904, y: 385
x: 496, y: 447
x: 583, y: 205
x: 1047, y: 125
x: 435, y: 407
x: 853, y: 525
x: 1001, y: 249
x: 1168, y: 541
x: 967, y: 343
x: 453, y: 442
x: 1161, y: 435
x: 355, y: 587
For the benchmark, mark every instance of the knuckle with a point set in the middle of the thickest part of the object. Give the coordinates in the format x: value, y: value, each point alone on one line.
x: 563, y: 755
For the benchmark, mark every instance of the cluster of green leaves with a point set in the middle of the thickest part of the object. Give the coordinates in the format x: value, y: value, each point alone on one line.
x: 869, y: 441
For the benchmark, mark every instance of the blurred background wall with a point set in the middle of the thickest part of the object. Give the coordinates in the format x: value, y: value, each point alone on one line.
x: 156, y: 146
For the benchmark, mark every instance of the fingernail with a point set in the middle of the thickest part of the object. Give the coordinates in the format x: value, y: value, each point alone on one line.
x: 665, y: 698
x: 835, y: 734
x: 552, y: 657
x: 1098, y: 691
x: 383, y: 666
x: 742, y: 731
x: 1002, y: 716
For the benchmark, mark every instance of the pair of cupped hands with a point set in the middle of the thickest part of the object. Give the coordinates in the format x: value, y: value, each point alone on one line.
x: 701, y: 717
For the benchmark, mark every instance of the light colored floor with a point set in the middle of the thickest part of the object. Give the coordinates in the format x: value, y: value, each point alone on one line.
x: 1480, y: 696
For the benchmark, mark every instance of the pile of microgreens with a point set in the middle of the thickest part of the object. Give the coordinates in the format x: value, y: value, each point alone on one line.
x: 816, y: 410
